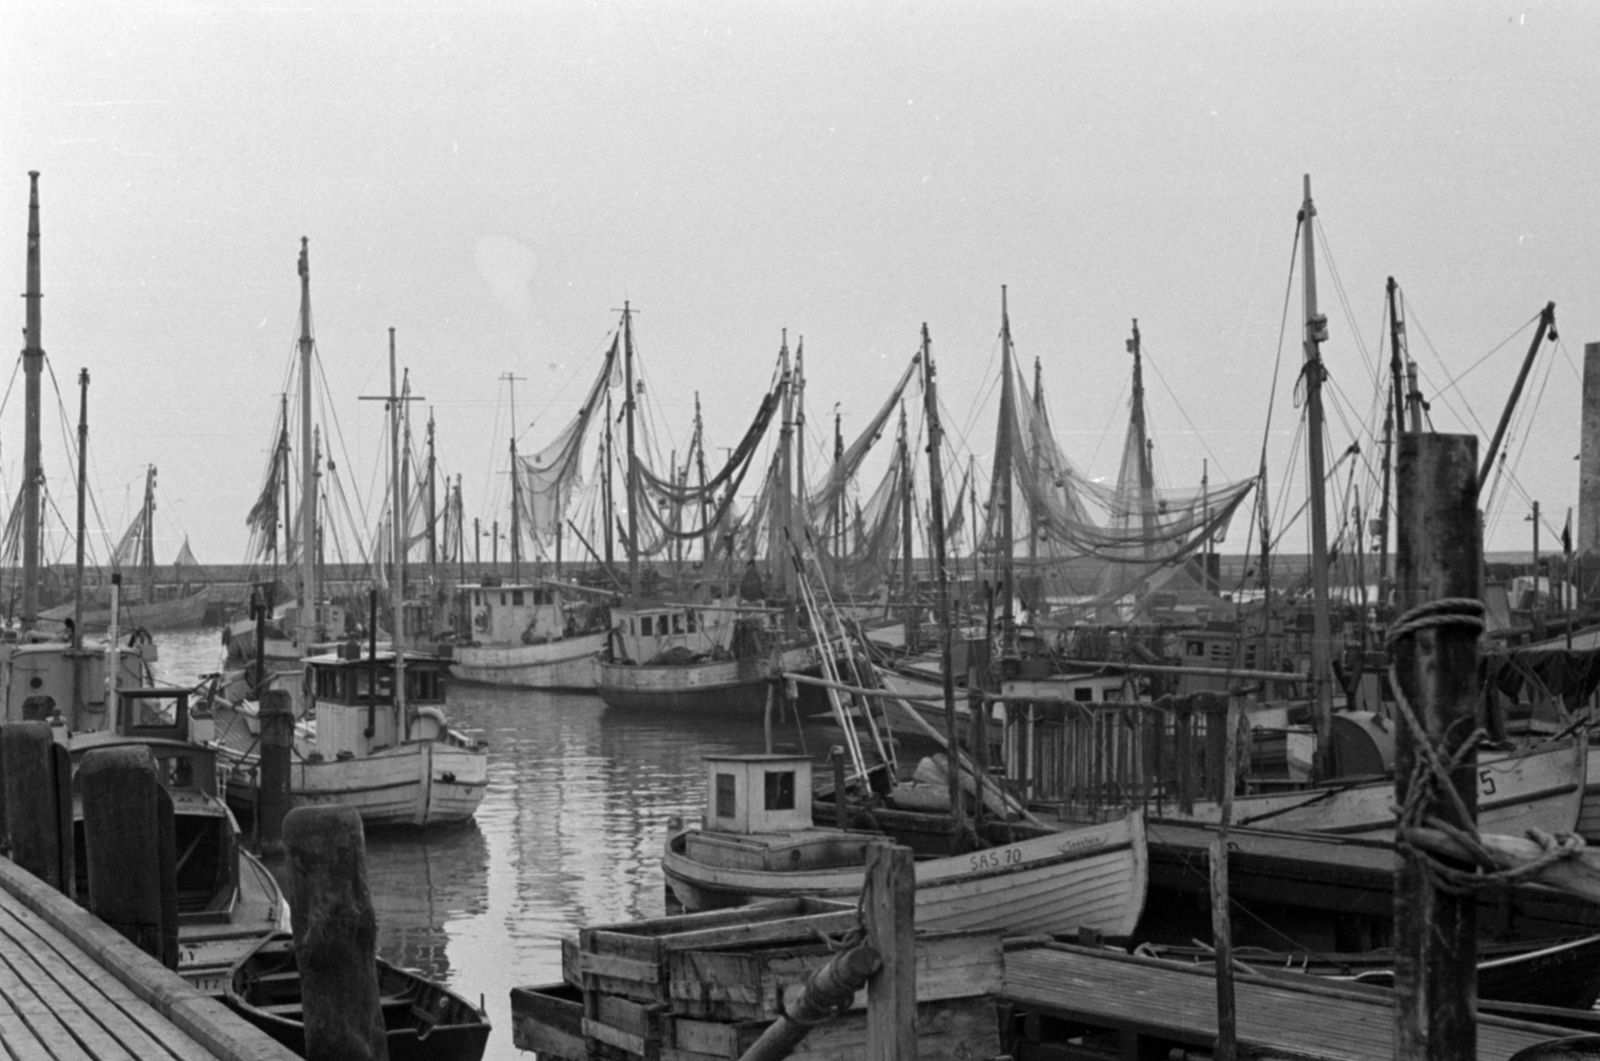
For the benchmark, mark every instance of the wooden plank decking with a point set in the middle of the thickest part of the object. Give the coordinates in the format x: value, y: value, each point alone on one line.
x: 72, y: 989
x: 1175, y: 1004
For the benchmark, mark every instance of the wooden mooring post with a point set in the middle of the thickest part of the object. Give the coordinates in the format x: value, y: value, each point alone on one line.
x: 277, y: 745
x: 1433, y: 650
x: 38, y: 803
x: 884, y: 962
x: 335, y: 934
x: 130, y: 844
x: 1221, y: 919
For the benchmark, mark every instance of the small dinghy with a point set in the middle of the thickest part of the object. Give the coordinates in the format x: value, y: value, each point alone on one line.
x: 425, y: 1020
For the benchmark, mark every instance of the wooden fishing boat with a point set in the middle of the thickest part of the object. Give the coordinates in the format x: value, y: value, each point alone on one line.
x: 227, y: 899
x: 423, y: 1019
x: 758, y: 842
x: 1544, y: 972
x: 526, y: 635
x: 1531, y: 788
x: 701, y: 659
x: 397, y: 762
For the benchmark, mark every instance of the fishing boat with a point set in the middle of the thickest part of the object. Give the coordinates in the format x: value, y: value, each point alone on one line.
x: 1528, y: 788
x: 757, y: 842
x: 528, y: 635
x: 716, y: 656
x: 396, y: 760
x: 228, y: 902
x: 423, y: 1020
x: 1541, y: 972
x: 682, y: 658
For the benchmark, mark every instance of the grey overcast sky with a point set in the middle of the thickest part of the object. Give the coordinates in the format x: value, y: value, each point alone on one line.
x: 493, y: 180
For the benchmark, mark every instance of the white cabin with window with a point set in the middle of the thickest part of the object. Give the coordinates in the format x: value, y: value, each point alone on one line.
x: 645, y: 633
x: 758, y: 793
x: 514, y: 615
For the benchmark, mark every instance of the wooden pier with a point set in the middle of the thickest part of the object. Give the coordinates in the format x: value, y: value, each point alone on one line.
x: 73, y: 989
x: 1078, y: 1003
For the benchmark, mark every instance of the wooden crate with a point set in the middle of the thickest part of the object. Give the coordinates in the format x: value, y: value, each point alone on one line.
x: 949, y: 1030
x: 548, y: 1018
x: 630, y: 960
x: 758, y: 982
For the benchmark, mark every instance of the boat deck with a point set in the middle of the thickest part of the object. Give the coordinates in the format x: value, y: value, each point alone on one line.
x: 59, y: 1003
x: 1147, y: 1004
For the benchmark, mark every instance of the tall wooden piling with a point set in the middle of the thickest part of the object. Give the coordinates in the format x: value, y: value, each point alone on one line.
x: 335, y: 934
x: 889, y: 913
x: 1434, y: 654
x: 131, y: 849
x: 38, y: 803
x: 1588, y: 538
x: 277, y: 744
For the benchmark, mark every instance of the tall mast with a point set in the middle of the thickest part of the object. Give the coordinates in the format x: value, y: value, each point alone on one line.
x: 433, y: 516
x: 631, y: 480
x: 1038, y: 410
x: 784, y: 496
x: 799, y: 514
x: 83, y: 479
x: 32, y: 368
x: 306, y: 625
x: 1316, y: 332
x: 700, y: 462
x: 516, y: 479
x: 930, y: 398
x: 907, y: 585
x: 398, y: 518
x: 1003, y: 476
x: 283, y: 472
x: 841, y: 506
x: 147, y: 543
x: 607, y: 473
x: 1141, y: 436
x: 1394, y: 421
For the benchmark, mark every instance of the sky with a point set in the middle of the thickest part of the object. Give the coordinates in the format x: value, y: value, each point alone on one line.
x: 495, y: 180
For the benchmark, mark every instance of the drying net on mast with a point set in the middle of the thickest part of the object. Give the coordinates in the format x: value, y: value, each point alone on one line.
x: 856, y: 543
x: 1141, y: 531
x: 662, y: 501
x: 547, y: 480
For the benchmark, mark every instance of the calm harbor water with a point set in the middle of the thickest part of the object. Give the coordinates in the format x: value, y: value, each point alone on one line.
x: 569, y: 834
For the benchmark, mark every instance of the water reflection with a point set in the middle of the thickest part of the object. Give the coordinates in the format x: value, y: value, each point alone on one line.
x: 569, y: 834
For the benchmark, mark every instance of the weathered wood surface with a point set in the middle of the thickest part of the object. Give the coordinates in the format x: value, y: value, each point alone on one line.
x: 1344, y: 876
x: 1171, y: 1002
x: 57, y: 1002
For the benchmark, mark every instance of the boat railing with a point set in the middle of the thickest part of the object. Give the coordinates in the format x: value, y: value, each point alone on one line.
x: 1094, y: 758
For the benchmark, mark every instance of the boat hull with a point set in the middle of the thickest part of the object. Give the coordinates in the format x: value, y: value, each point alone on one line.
x: 423, y: 1020
x: 715, y: 687
x: 1093, y: 877
x: 1536, y: 788
x: 567, y: 665
x: 417, y: 783
x: 175, y: 614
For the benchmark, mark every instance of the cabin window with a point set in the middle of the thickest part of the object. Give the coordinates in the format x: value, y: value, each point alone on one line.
x: 1082, y: 694
x: 424, y: 684
x: 516, y: 596
x: 677, y: 622
x: 502, y: 598
x: 727, y: 800
x: 693, y: 619
x: 541, y: 596
x: 780, y: 790
x: 1194, y: 648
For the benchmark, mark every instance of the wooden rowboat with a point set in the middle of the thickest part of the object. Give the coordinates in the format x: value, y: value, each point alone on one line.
x: 425, y: 1020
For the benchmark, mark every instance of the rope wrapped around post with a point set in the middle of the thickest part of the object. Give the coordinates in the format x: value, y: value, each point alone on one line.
x: 1427, y: 839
